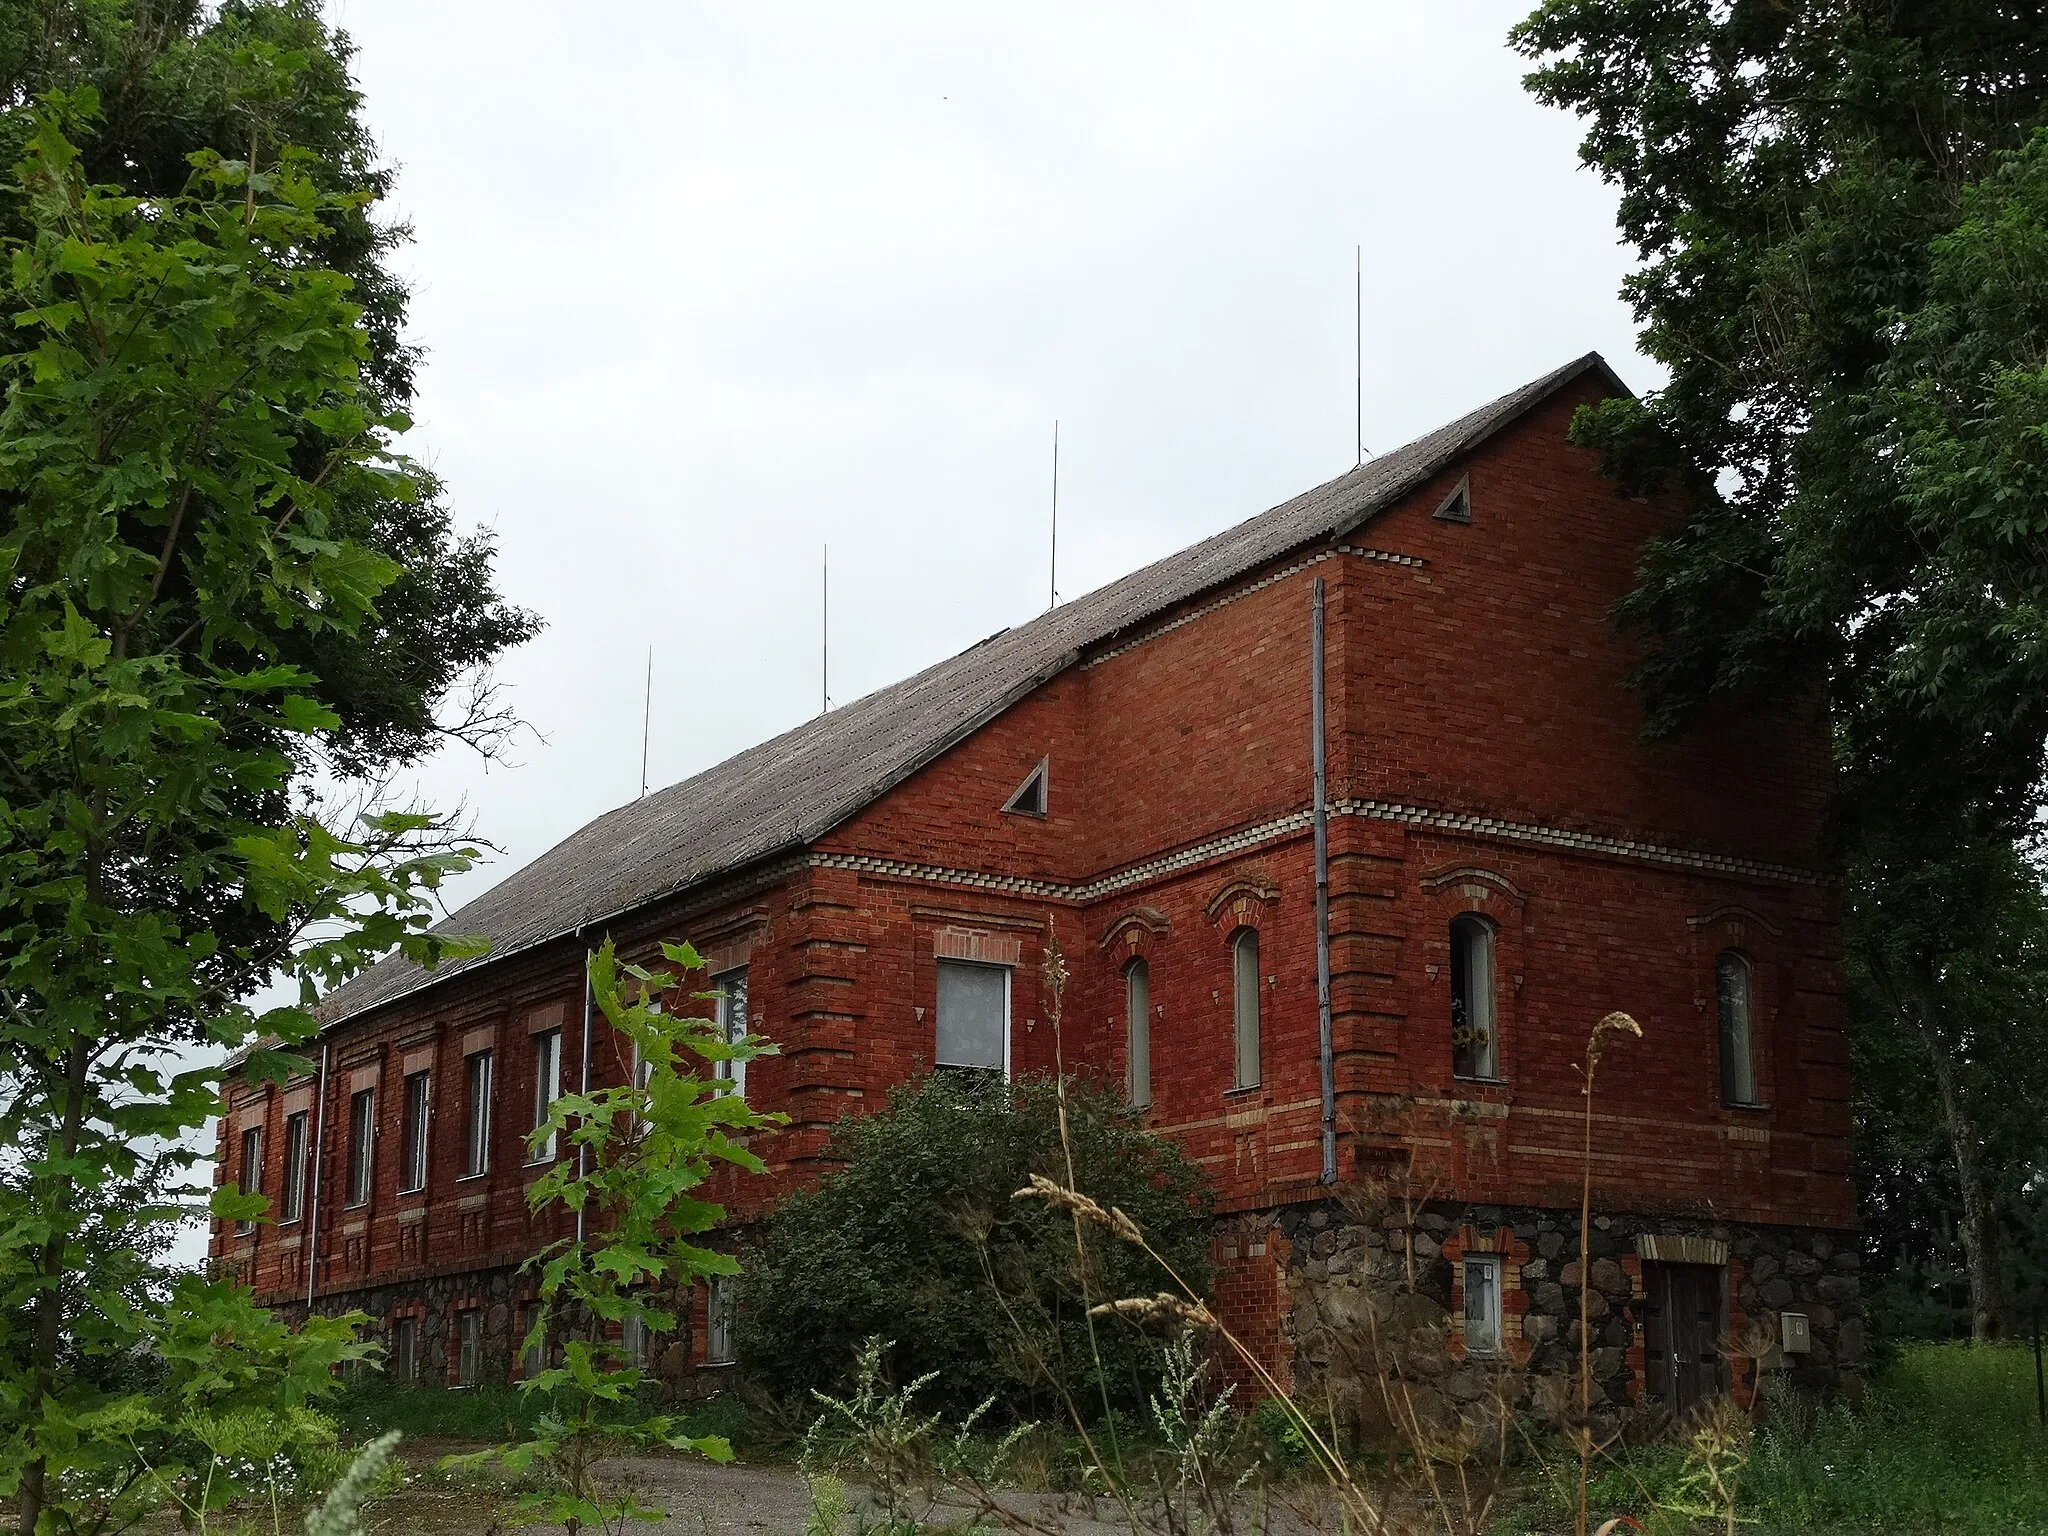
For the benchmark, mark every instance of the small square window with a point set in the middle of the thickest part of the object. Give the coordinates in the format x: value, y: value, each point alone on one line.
x: 1482, y: 1304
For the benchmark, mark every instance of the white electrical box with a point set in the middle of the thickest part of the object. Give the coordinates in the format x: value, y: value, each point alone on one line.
x: 1792, y: 1333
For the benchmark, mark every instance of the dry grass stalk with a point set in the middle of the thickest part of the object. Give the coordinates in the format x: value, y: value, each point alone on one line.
x: 1616, y: 1023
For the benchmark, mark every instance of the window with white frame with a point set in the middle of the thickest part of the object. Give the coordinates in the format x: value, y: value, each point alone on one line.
x: 1734, y: 1000
x: 1482, y: 1304
x: 413, y: 1162
x: 362, y: 1130
x: 547, y: 1087
x: 1475, y: 1043
x: 249, y: 1180
x: 1244, y: 962
x: 718, y: 1345
x: 1138, y: 1032
x: 974, y: 1016
x: 731, y: 987
x: 636, y: 1341
x: 292, y: 1198
x: 477, y: 1131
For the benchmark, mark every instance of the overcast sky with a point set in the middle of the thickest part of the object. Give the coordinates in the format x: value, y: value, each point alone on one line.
x: 703, y: 289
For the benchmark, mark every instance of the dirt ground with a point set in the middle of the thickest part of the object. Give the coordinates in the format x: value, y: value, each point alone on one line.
x: 702, y: 1499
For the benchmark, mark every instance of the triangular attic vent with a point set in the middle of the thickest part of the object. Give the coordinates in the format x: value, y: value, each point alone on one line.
x: 1030, y: 797
x: 1456, y: 507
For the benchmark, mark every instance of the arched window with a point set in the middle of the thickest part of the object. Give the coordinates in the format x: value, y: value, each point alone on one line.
x: 1734, y: 1003
x: 1138, y: 1031
x: 1475, y: 1043
x: 1244, y: 951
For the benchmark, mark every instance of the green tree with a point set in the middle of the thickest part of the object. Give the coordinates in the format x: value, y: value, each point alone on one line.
x: 176, y: 78
x: 917, y: 1239
x: 166, y: 541
x: 1842, y: 216
x: 641, y: 1150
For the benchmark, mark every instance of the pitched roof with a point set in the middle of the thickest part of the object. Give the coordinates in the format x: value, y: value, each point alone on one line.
x: 791, y: 790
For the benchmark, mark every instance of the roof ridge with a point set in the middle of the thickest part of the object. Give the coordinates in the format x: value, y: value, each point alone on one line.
x: 799, y: 784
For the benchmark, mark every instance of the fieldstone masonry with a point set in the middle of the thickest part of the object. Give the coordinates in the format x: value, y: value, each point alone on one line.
x: 1373, y: 1311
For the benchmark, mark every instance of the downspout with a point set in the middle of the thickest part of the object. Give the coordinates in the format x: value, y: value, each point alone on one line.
x: 319, y: 1155
x: 1322, y: 828
x: 583, y: 1074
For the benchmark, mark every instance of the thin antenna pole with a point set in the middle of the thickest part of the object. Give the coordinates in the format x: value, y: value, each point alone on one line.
x: 1053, y: 574
x: 825, y: 632
x: 1358, y: 344
x: 646, y: 720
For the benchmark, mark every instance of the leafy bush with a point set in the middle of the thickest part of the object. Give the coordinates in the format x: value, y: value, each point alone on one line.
x: 917, y: 1239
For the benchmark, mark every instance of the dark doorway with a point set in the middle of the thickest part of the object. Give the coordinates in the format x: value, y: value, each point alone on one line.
x: 1681, y: 1329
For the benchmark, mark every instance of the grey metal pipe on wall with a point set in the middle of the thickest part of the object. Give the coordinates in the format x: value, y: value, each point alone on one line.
x: 319, y: 1155
x: 1322, y: 830
x: 583, y: 1076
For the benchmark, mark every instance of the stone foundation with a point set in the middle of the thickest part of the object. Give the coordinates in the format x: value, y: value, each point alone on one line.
x: 1372, y: 1309
x: 434, y: 1302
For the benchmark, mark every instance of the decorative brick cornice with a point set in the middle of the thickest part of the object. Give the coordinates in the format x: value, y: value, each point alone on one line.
x: 1452, y: 823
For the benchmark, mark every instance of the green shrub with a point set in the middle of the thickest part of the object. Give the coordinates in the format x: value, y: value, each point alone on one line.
x: 918, y: 1241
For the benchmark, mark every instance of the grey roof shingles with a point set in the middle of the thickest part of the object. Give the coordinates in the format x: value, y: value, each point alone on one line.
x: 787, y: 792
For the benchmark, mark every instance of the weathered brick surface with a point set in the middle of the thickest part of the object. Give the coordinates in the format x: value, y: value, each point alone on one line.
x: 1483, y: 757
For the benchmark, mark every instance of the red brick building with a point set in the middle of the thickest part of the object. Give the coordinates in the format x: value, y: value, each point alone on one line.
x: 1506, y: 862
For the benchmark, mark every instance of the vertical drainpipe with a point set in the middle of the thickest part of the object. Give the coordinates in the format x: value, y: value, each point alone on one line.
x: 1322, y: 826
x: 319, y: 1152
x: 583, y: 1075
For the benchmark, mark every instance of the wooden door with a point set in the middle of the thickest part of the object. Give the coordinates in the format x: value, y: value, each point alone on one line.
x: 1681, y: 1332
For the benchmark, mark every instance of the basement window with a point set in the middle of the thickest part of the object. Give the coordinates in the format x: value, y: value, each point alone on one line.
x: 1029, y: 800
x: 1456, y: 507
x: 1482, y: 1304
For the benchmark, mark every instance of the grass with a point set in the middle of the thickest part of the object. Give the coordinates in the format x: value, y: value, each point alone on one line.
x: 373, y: 1405
x: 1946, y: 1441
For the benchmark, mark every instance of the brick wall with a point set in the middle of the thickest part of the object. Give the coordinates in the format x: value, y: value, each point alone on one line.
x: 1484, y: 759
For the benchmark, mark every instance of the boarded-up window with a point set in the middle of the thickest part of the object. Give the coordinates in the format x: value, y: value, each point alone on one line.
x: 1475, y: 1044
x: 974, y: 1016
x: 1138, y: 1032
x: 1244, y: 959
x: 1734, y: 1002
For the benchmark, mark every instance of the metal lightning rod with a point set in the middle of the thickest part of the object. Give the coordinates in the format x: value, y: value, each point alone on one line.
x: 1053, y: 572
x: 646, y: 719
x: 1358, y: 343
x: 825, y: 632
